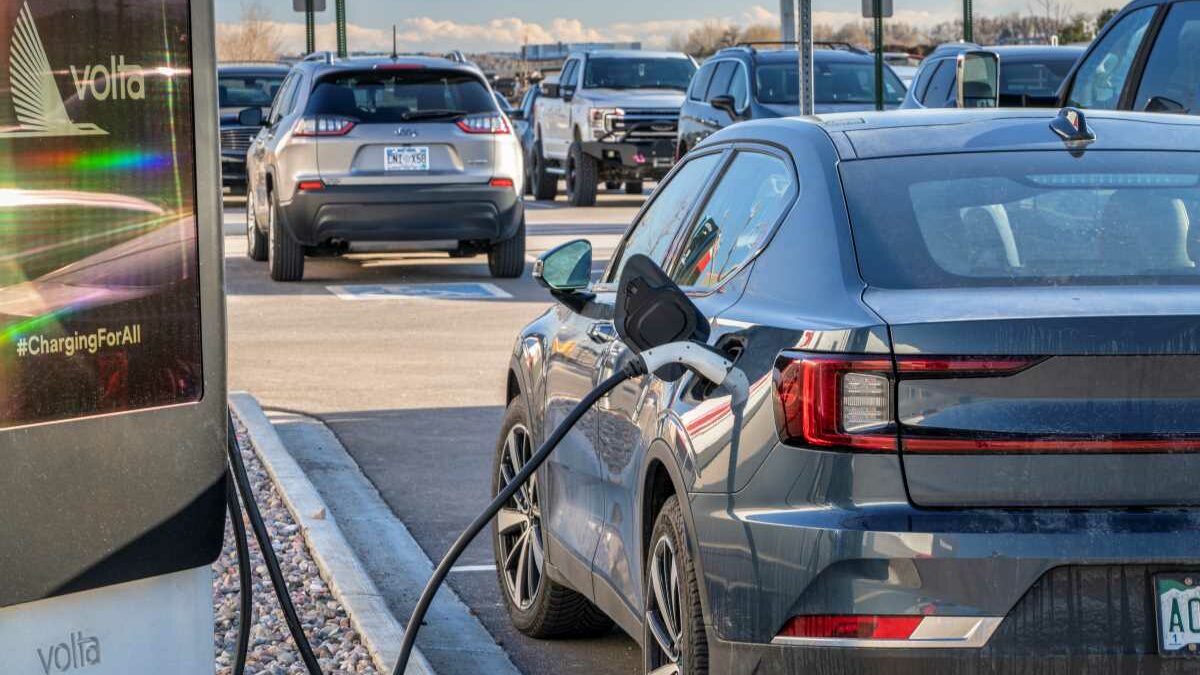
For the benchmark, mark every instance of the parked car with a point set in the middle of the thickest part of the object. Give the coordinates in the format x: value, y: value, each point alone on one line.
x: 241, y: 86
x: 1029, y: 75
x: 1144, y: 59
x: 745, y: 83
x: 523, y: 120
x: 383, y: 150
x: 973, y: 429
x: 610, y: 117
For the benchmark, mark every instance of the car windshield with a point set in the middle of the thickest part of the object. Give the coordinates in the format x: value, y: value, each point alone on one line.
x: 638, y: 73
x: 386, y: 97
x: 838, y: 82
x: 248, y: 91
x: 1018, y: 218
x: 1035, y: 78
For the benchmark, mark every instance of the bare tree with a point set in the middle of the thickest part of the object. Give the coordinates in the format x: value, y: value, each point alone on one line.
x: 706, y: 39
x: 1049, y: 17
x: 254, y: 38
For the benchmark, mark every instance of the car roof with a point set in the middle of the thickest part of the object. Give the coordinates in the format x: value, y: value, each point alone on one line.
x: 630, y: 53
x: 829, y: 55
x: 252, y: 68
x: 948, y: 130
x: 1009, y: 52
x: 370, y: 62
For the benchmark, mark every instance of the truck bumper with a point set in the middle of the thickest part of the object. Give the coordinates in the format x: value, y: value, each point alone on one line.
x: 633, y: 160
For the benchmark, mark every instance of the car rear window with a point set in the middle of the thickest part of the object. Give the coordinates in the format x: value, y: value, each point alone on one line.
x: 247, y: 91
x: 1025, y: 218
x: 382, y: 96
x: 838, y: 82
x: 1034, y: 78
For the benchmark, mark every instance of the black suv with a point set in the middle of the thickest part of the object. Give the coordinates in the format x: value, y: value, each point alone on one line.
x: 242, y: 86
x: 744, y: 83
x: 1030, y: 76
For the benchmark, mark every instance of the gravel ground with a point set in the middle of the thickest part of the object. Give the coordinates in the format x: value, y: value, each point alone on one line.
x: 334, y: 641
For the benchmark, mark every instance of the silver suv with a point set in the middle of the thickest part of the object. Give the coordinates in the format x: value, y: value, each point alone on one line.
x: 384, y: 150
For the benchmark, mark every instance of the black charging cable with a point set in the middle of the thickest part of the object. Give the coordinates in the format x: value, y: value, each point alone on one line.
x: 631, y: 368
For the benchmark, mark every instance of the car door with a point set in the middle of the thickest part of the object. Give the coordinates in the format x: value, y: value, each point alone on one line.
x: 695, y: 108
x: 1101, y: 79
x: 713, y: 120
x: 729, y: 221
x: 558, y: 120
x: 259, y: 155
x: 1170, y: 81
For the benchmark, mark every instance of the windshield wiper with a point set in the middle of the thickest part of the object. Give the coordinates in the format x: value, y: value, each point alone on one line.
x: 431, y: 114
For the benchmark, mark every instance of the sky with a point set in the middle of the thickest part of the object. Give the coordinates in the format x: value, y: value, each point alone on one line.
x: 502, y: 25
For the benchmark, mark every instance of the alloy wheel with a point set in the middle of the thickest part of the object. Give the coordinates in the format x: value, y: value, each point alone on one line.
x: 520, y: 529
x: 250, y: 218
x: 664, y: 613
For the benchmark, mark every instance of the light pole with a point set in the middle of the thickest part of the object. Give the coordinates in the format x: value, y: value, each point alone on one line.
x: 968, y: 21
x: 340, y: 11
x: 803, y: 36
x: 310, y: 27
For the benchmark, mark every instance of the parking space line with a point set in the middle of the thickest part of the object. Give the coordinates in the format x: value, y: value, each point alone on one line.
x: 473, y: 568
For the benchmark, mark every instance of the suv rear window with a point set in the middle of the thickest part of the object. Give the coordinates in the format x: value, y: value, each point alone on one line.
x: 384, y: 97
x: 1021, y: 218
x: 839, y: 82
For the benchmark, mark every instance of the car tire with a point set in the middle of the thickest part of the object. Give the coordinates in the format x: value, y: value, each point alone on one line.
x: 673, y: 623
x: 635, y: 187
x: 506, y: 259
x: 256, y: 240
x: 551, y: 610
x: 545, y: 185
x: 285, y: 255
x: 582, y: 177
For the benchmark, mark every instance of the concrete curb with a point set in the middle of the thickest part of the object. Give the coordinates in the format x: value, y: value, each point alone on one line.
x: 348, y: 581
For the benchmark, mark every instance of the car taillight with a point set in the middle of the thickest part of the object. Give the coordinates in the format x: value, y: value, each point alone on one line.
x: 323, y: 125
x: 501, y: 182
x: 310, y: 185
x: 845, y: 401
x: 488, y: 123
x: 852, y: 626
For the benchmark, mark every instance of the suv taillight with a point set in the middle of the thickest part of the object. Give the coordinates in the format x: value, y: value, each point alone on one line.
x: 323, y: 125
x: 845, y: 401
x: 487, y: 123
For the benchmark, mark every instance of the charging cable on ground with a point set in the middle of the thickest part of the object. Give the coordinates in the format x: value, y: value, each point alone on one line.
x: 696, y: 357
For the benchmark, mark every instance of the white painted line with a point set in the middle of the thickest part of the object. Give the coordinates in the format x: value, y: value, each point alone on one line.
x: 473, y: 568
x: 450, y: 291
x: 348, y: 581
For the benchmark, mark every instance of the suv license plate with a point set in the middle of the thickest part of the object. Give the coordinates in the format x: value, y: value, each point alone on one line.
x: 406, y: 158
x: 1177, y: 597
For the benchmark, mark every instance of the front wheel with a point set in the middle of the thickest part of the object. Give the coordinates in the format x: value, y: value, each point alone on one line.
x: 506, y: 259
x: 673, y: 637
x: 582, y: 177
x: 256, y: 241
x: 538, y: 606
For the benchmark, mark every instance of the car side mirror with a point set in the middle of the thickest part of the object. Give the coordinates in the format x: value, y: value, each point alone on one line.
x: 978, y: 74
x: 724, y: 102
x: 565, y: 269
x: 566, y: 93
x: 251, y: 117
x: 651, y: 310
x: 549, y: 89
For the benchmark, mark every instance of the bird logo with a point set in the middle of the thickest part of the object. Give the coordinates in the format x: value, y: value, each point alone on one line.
x: 38, y: 104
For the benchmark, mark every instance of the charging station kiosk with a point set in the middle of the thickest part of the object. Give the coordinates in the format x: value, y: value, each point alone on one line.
x: 112, y: 363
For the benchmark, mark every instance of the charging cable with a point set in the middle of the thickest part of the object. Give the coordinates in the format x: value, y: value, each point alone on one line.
x: 697, y: 357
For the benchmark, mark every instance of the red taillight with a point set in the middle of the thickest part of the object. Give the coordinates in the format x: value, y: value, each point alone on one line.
x: 309, y: 185
x: 855, y: 627
x: 487, y: 123
x: 501, y: 182
x: 812, y: 396
x: 323, y: 125
x: 845, y: 401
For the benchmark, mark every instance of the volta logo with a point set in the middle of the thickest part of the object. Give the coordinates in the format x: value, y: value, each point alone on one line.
x: 79, y: 652
x: 36, y: 100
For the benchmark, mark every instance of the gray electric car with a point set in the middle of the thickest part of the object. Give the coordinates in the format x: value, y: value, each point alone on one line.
x: 972, y: 439
x: 383, y: 150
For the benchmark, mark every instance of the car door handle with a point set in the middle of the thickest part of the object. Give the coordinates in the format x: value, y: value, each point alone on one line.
x: 602, y: 332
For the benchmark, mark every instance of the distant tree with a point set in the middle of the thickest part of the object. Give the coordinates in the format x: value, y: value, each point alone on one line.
x: 706, y: 39
x: 253, y: 38
x: 760, y: 33
x: 1105, y: 16
x: 1079, y: 29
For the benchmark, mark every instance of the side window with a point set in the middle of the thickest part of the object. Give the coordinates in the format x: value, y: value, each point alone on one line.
x: 283, y: 99
x: 736, y: 222
x: 700, y: 82
x: 1101, y: 78
x: 922, y: 81
x: 721, y: 79
x: 739, y: 87
x: 653, y: 233
x: 568, y: 74
x: 1172, y: 75
x: 941, y: 85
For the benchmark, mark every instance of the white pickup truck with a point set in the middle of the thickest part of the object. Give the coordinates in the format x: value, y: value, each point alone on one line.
x: 610, y: 118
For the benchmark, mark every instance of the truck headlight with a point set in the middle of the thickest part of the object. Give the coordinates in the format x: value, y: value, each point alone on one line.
x: 601, y: 120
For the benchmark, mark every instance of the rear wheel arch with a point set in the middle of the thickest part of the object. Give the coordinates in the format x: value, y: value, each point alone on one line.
x: 513, y: 388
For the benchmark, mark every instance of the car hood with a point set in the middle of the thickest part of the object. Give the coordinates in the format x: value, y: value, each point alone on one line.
x: 635, y: 98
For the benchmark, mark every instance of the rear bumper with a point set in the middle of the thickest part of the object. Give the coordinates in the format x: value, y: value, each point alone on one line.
x: 404, y: 213
x: 634, y: 160
x: 818, y: 533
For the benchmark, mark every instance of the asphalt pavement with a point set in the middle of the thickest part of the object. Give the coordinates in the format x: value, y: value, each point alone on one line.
x: 413, y: 387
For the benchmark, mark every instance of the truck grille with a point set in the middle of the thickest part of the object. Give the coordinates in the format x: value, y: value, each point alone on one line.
x: 237, y: 139
x: 646, y: 123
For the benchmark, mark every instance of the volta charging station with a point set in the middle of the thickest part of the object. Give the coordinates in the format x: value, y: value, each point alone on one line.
x: 118, y: 461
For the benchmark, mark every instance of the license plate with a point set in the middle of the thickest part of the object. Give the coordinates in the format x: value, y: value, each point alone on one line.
x: 406, y: 158
x: 1178, y: 601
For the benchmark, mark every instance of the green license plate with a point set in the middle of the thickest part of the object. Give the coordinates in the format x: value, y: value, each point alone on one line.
x: 1178, y: 605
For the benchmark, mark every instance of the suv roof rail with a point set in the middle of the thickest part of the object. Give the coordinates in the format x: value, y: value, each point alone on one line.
x: 456, y: 56
x: 824, y: 44
x: 322, y: 56
x: 839, y: 46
